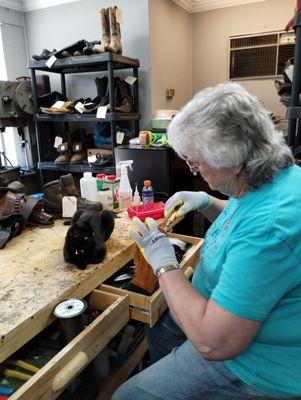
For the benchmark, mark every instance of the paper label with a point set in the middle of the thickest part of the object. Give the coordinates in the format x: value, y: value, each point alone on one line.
x: 63, y: 147
x: 130, y: 80
x: 77, y: 147
x: 80, y: 107
x: 119, y: 137
x: 57, y: 142
x: 92, y: 159
x: 119, y: 16
x: 69, y: 206
x: 101, y: 112
x: 58, y: 104
x: 51, y: 61
x: 289, y: 72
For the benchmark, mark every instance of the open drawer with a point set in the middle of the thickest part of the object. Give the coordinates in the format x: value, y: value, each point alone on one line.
x: 148, y: 309
x: 58, y: 373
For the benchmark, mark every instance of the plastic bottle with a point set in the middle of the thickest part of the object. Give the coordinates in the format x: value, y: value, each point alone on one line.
x: 136, y: 198
x: 112, y: 183
x: 100, y: 181
x: 147, y: 193
x: 104, y: 196
x: 125, y: 192
x: 88, y: 188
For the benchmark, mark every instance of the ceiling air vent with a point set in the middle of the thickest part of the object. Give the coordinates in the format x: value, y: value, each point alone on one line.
x: 260, y: 55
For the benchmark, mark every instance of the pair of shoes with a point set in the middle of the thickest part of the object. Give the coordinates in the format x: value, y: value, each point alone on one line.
x: 122, y: 94
x: 111, y: 35
x: 79, y: 48
x: 55, y: 190
x: 45, y: 55
x: 73, y: 149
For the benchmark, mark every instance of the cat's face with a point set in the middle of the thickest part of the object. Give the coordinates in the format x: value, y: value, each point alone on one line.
x: 82, y: 240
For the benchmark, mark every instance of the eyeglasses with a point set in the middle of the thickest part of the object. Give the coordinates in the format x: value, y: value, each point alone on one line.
x: 193, y: 166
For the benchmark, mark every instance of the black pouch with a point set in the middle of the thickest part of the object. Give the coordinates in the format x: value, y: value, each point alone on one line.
x: 10, y: 226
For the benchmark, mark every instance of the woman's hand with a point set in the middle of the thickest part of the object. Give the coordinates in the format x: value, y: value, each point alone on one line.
x: 154, y: 245
x: 188, y: 201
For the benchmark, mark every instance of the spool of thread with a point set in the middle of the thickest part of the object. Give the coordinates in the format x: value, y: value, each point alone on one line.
x: 70, y: 314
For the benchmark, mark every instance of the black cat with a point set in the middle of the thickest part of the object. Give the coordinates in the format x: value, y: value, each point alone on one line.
x: 86, y: 237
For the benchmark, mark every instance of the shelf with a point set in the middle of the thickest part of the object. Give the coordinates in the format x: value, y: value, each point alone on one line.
x: 86, y: 117
x: 121, y: 374
x: 94, y: 62
x: 81, y: 168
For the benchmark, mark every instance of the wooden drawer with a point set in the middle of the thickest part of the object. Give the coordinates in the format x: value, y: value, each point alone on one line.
x: 148, y: 309
x: 57, y: 374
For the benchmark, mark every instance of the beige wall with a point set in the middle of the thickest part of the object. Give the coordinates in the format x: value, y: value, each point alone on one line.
x: 170, y: 46
x: 210, y: 34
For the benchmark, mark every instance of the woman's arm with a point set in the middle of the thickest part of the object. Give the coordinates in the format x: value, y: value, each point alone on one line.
x: 215, y: 332
x: 215, y: 208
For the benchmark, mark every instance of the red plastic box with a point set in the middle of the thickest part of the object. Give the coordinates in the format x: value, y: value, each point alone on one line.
x: 153, y: 210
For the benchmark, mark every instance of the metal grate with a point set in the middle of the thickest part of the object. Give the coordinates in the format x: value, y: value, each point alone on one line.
x: 251, y: 41
x: 259, y: 55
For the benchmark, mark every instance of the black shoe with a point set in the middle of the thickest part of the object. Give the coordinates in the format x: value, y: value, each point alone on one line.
x: 48, y: 99
x: 45, y: 55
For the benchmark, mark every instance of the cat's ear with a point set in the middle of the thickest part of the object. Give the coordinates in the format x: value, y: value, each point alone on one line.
x: 107, y: 220
x: 76, y: 215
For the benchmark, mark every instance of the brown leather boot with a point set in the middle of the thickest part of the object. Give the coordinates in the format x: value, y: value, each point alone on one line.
x: 115, y: 40
x: 79, y: 153
x: 65, y: 154
x: 55, y: 190
x: 105, y: 39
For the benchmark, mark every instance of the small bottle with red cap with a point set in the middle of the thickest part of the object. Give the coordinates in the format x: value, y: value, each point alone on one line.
x: 147, y: 193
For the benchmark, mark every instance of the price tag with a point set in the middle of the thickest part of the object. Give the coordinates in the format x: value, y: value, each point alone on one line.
x: 63, y: 147
x: 92, y: 159
x: 69, y: 206
x: 119, y: 137
x: 58, y: 104
x: 51, y: 61
x: 79, y: 107
x: 101, y: 112
x: 77, y: 147
x: 57, y: 141
x: 119, y: 16
x: 130, y: 80
x: 289, y: 72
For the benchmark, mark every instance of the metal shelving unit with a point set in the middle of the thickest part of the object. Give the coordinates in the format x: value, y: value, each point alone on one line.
x: 75, y: 65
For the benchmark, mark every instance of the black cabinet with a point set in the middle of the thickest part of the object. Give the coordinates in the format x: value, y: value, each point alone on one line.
x: 162, y: 166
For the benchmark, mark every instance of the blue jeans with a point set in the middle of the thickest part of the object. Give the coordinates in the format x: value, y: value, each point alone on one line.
x: 178, y: 371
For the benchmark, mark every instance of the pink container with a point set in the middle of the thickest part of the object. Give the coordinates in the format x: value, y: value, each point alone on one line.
x: 153, y: 210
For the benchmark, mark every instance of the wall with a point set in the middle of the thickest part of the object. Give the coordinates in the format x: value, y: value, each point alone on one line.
x: 13, y: 63
x: 170, y: 42
x: 60, y: 26
x: 211, y: 31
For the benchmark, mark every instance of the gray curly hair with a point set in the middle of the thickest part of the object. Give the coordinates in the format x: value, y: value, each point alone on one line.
x: 226, y: 126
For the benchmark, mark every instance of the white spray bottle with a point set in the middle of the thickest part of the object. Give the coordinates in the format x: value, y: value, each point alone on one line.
x: 125, y: 193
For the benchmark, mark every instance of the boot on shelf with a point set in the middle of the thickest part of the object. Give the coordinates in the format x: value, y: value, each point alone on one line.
x: 127, y: 103
x: 79, y: 147
x: 105, y: 38
x: 115, y: 40
x: 64, y: 149
x: 102, y: 87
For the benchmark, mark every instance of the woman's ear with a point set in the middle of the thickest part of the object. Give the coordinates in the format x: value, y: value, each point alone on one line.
x: 237, y: 171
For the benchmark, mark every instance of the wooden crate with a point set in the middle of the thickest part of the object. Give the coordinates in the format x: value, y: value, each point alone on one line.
x: 148, y: 309
x: 56, y: 375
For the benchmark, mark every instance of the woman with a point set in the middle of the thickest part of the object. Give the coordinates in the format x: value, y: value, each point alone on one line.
x: 235, y: 332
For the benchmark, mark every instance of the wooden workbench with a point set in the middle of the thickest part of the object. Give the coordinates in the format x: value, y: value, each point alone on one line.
x: 35, y: 278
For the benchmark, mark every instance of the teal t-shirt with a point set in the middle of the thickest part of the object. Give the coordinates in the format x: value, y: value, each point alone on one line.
x: 250, y: 264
